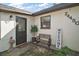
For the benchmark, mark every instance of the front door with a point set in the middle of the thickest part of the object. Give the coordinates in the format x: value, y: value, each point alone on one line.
x: 20, y: 30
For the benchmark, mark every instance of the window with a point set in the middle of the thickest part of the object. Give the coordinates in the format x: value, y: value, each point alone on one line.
x: 45, y: 22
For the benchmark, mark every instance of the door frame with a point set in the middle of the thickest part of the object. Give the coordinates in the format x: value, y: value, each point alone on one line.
x: 25, y: 30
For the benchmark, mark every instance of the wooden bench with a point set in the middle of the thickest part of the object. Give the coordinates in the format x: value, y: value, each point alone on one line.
x: 44, y: 40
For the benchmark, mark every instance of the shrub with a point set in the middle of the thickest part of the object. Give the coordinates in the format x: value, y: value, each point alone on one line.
x: 63, y: 52
x: 34, y: 28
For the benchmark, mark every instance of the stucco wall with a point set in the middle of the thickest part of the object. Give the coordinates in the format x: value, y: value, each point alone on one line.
x: 8, y: 29
x: 70, y: 31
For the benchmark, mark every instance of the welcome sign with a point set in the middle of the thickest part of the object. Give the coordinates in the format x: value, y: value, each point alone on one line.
x: 58, y: 40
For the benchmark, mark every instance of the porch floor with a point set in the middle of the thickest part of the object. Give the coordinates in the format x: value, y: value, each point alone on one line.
x: 31, y: 49
x: 23, y: 48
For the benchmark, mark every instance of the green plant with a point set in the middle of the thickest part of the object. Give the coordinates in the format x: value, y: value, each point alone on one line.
x: 63, y: 52
x: 34, y: 29
x: 4, y: 53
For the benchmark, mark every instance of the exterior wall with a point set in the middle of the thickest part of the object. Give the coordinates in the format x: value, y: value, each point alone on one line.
x: 70, y: 31
x: 9, y: 29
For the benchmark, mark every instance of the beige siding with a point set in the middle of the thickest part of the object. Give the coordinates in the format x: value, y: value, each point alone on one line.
x: 9, y: 29
x: 70, y: 31
x: 0, y: 26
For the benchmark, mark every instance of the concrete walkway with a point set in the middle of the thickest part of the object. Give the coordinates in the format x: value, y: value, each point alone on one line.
x: 23, y: 48
x: 18, y: 50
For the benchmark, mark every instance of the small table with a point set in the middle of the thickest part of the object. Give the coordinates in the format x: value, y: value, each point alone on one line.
x: 33, y: 39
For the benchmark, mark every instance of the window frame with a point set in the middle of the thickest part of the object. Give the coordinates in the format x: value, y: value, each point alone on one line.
x: 41, y: 23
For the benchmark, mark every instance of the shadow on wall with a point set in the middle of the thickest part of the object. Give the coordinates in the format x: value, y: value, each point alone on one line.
x: 7, y: 29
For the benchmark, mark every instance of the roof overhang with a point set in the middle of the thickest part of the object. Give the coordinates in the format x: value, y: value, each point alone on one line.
x: 2, y: 10
x: 56, y: 8
x: 5, y: 8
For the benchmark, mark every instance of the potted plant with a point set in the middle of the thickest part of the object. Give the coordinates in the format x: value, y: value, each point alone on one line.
x: 34, y: 30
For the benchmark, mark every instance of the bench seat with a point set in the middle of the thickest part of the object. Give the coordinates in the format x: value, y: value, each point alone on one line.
x: 44, y: 40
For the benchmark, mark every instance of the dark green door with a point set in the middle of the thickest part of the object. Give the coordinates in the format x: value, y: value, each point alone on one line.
x: 20, y: 30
